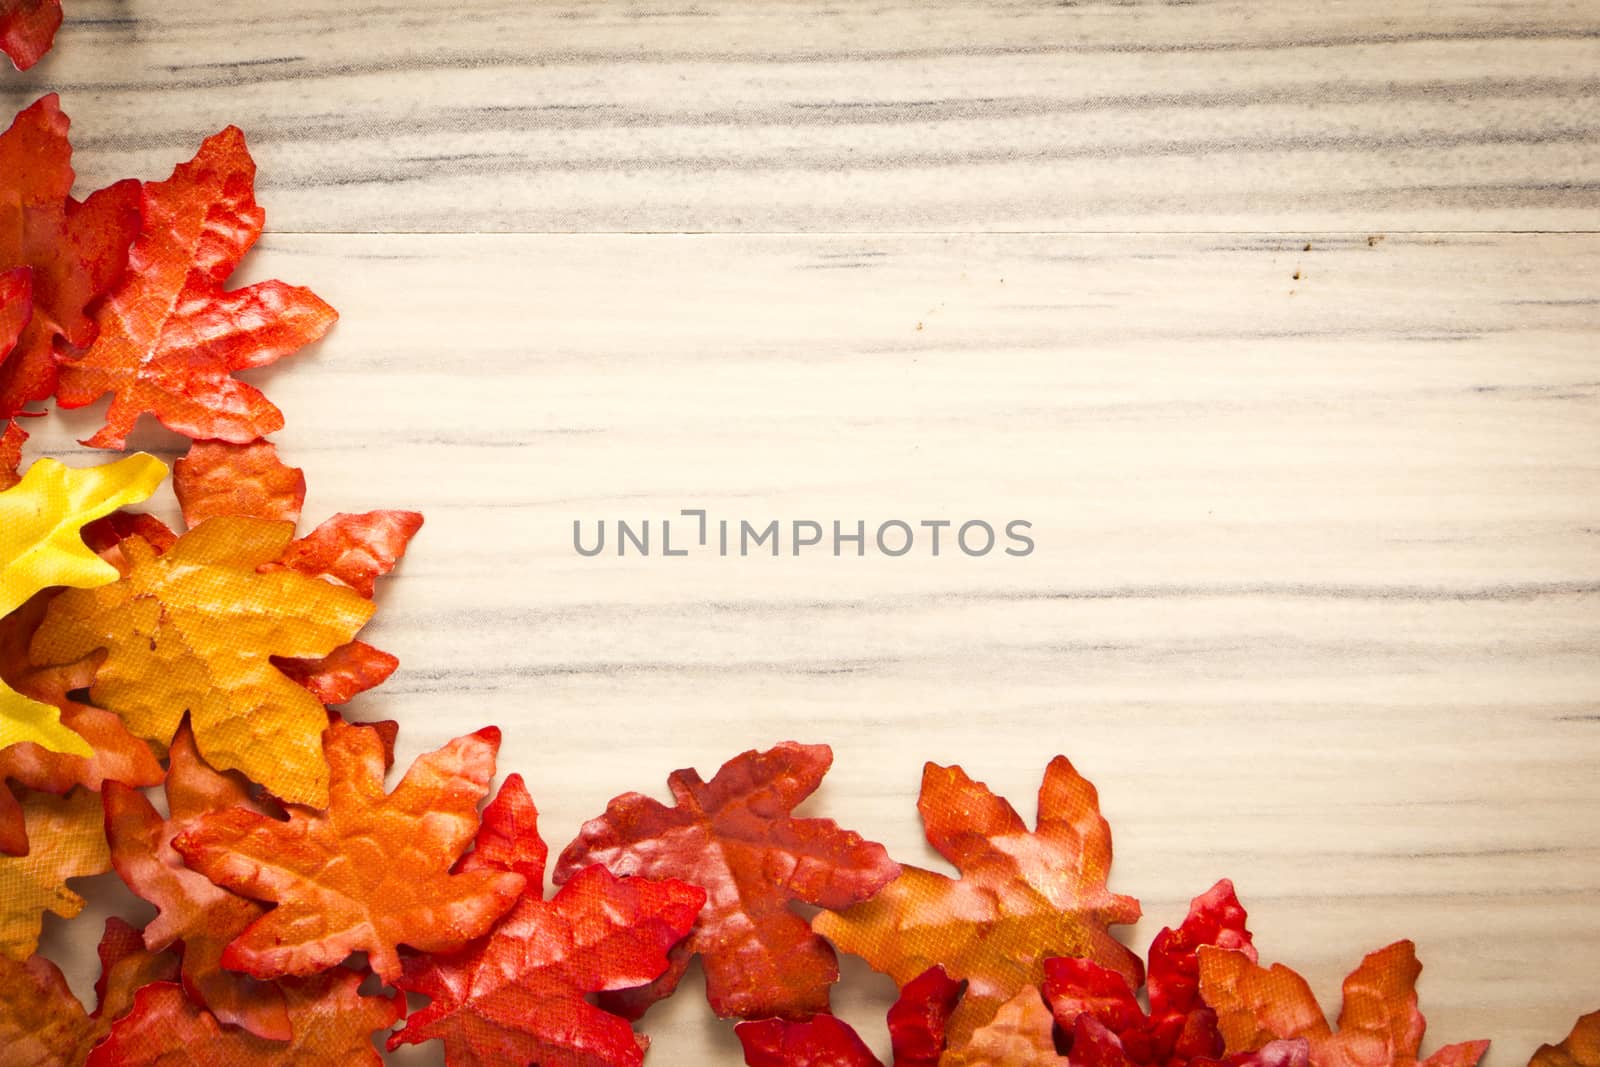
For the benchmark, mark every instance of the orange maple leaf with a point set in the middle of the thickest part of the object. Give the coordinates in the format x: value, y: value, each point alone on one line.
x: 1022, y: 896
x: 1379, y: 1025
x: 170, y: 335
x: 192, y: 912
x: 372, y: 872
x: 195, y: 629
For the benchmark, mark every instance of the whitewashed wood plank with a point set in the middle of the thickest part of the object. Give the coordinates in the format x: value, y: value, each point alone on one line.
x: 814, y: 116
x: 1313, y: 601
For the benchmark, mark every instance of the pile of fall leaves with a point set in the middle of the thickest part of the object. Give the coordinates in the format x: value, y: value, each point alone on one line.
x: 299, y: 902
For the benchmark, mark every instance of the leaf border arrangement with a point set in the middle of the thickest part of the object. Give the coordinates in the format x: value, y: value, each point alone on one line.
x: 299, y: 900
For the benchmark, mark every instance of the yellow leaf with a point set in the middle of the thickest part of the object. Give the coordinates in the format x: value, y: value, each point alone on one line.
x: 68, y: 840
x: 41, y: 546
x: 195, y: 630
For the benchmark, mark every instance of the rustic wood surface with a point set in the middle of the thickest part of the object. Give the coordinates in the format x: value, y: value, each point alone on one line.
x: 1315, y: 485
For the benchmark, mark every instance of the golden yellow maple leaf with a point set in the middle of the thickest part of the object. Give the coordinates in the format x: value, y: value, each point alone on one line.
x: 195, y: 630
x: 41, y: 546
x: 68, y: 840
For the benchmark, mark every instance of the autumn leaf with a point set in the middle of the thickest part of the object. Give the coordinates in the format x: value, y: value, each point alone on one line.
x: 219, y: 478
x: 16, y: 311
x: 67, y: 841
x: 170, y: 335
x: 736, y: 837
x: 1097, y: 1009
x: 354, y: 549
x: 916, y: 1031
x: 348, y: 670
x: 40, y: 546
x: 117, y: 755
x: 333, y: 1024
x: 27, y: 29
x: 1581, y: 1048
x: 194, y: 629
x: 1379, y: 1025
x: 1022, y: 896
x: 193, y: 913
x: 73, y: 252
x: 43, y: 1025
x: 11, y: 455
x: 517, y: 996
x: 371, y: 873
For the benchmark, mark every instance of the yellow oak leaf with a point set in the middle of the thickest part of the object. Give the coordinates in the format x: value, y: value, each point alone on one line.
x: 68, y: 840
x: 194, y: 630
x: 40, y: 546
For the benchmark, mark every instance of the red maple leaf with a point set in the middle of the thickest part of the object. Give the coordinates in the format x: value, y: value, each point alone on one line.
x: 72, y: 252
x: 1102, y: 1018
x: 170, y: 335
x: 332, y: 1023
x: 28, y: 29
x: 736, y: 837
x: 916, y: 1031
x: 517, y: 996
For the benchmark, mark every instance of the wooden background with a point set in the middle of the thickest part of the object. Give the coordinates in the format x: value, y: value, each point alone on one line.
x: 1278, y: 321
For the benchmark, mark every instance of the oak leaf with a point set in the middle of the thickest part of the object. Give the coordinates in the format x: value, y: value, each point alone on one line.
x: 1021, y: 896
x: 194, y: 629
x: 219, y: 478
x: 170, y: 335
x: 332, y: 1022
x: 67, y: 840
x: 371, y: 873
x: 192, y: 913
x: 1379, y: 1025
x: 73, y: 252
x: 1097, y: 1009
x: 43, y: 1025
x: 517, y: 996
x: 916, y: 1031
x: 27, y: 29
x: 736, y: 837
x: 1581, y: 1048
x: 40, y: 546
x: 117, y: 755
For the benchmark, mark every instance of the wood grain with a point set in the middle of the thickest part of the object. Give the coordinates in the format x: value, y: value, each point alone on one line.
x: 813, y: 116
x: 1278, y: 322
x: 1313, y: 600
